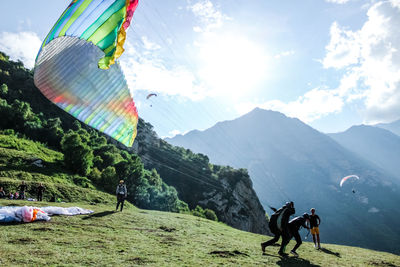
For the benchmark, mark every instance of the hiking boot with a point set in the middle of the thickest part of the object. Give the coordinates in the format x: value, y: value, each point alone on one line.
x: 319, y: 246
x: 263, y: 247
x: 294, y: 253
x: 315, y: 246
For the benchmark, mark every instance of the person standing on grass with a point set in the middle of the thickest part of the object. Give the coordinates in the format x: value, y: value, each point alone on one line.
x: 40, y: 190
x: 315, y: 221
x: 22, y: 188
x: 121, y: 192
x: 2, y: 193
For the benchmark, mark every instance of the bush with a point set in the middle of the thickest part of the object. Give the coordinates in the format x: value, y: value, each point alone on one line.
x: 210, y: 214
x: 205, y: 213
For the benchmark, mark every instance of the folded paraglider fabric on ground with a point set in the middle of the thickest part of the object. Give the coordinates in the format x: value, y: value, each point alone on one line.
x: 30, y: 214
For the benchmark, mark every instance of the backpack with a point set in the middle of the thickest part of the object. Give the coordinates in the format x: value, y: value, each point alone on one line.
x: 275, y: 222
x: 121, y: 190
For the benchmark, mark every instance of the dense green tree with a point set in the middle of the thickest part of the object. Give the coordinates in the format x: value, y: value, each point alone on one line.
x: 109, y: 179
x: 53, y: 132
x: 78, y: 157
x: 3, y: 89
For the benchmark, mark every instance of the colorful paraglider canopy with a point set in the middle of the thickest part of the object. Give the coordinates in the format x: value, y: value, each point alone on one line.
x: 344, y: 179
x: 150, y: 95
x: 75, y: 66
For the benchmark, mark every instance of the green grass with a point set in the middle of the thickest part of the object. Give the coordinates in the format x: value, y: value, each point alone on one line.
x: 30, y: 149
x: 141, y: 237
x: 17, y: 155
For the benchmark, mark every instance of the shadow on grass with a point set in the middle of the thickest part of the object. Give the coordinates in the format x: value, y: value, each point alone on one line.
x: 225, y: 253
x: 270, y: 255
x: 293, y: 261
x: 98, y: 215
x: 327, y: 251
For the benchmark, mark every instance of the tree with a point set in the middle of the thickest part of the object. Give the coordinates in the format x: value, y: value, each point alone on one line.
x: 109, y: 179
x: 78, y: 157
x: 3, y: 89
x: 53, y: 132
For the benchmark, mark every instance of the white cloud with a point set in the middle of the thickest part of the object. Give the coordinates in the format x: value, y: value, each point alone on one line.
x: 370, y: 58
x: 147, y: 72
x: 337, y: 1
x: 363, y: 199
x: 309, y: 107
x: 22, y: 46
x: 373, y: 210
x: 344, y: 48
x: 148, y: 45
x: 284, y: 54
x: 210, y: 18
x: 174, y: 132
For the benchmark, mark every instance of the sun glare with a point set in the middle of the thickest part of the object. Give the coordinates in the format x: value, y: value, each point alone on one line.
x: 232, y: 64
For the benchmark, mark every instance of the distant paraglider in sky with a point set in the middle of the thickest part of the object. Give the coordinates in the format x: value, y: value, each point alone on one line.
x: 76, y: 66
x: 150, y: 95
x: 344, y: 179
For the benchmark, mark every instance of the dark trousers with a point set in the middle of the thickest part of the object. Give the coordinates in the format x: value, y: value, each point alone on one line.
x: 285, y: 240
x: 40, y: 196
x: 120, y: 200
x: 297, y: 237
x: 21, y: 194
x: 272, y: 241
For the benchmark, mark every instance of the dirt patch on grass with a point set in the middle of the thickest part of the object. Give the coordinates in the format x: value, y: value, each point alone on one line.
x: 43, y: 229
x: 226, y: 253
x: 145, y: 229
x: 382, y: 263
x: 140, y: 261
x: 167, y: 229
x: 169, y: 240
x: 24, y: 240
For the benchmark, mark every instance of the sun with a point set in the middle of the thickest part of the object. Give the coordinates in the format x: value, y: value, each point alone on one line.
x: 231, y: 63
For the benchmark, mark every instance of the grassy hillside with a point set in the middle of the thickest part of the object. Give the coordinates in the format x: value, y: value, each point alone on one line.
x: 153, y: 238
x: 16, y: 156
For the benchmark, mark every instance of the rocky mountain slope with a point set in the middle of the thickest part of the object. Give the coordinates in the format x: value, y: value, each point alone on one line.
x: 289, y: 160
x: 227, y: 191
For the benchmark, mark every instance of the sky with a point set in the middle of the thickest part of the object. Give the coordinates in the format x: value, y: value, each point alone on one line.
x: 330, y: 63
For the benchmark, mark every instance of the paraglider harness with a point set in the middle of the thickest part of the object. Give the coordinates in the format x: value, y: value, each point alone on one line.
x: 275, y: 222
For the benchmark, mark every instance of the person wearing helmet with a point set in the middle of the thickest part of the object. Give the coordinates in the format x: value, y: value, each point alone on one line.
x: 121, y: 193
x: 294, y: 227
x: 314, y: 225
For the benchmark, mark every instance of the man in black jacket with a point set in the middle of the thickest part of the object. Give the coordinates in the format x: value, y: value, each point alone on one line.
x: 121, y: 193
x: 279, y: 227
x: 294, y: 227
x: 40, y: 190
x: 22, y: 188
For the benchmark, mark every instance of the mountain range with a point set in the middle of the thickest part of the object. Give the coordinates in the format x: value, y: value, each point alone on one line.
x: 394, y: 127
x: 290, y: 161
x: 379, y: 146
